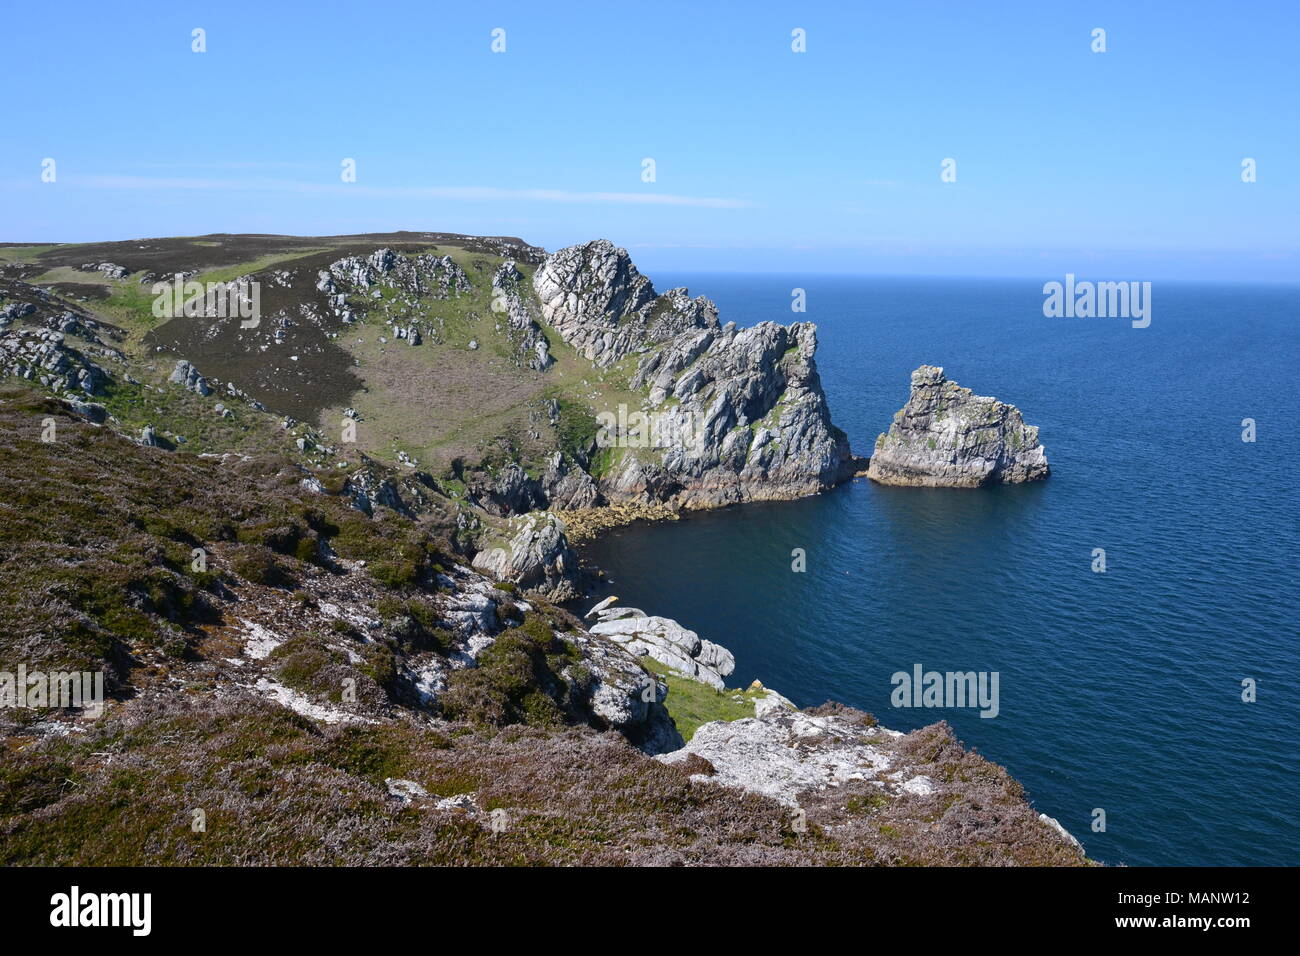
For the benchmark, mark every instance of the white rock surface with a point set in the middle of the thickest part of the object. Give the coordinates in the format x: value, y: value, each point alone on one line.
x: 404, y: 790
x: 1065, y: 834
x: 666, y: 641
x: 784, y: 754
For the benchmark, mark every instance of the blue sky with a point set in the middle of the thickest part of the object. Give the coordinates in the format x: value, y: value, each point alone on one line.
x: 1123, y: 164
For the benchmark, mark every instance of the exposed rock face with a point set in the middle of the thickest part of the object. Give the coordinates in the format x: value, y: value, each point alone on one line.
x: 534, y: 555
x: 531, y: 347
x: 805, y: 759
x: 16, y: 310
x: 43, y: 356
x: 510, y: 491
x: 601, y: 305
x: 946, y: 436
x: 367, y: 488
x: 752, y: 405
x: 187, y: 377
x: 736, y: 415
x: 786, y: 753
x: 568, y: 487
x: 610, y: 687
x: 428, y: 275
x: 110, y: 269
x: 666, y: 641
x: 623, y: 697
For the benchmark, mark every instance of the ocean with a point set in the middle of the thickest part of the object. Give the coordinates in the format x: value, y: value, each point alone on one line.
x: 1119, y: 691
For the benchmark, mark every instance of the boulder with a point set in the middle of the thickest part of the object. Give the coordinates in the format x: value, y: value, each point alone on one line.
x: 187, y: 377
x: 666, y: 641
x: 90, y: 411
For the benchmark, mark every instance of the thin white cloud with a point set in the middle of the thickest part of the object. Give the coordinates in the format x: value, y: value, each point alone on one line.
x: 469, y: 193
x: 258, y: 164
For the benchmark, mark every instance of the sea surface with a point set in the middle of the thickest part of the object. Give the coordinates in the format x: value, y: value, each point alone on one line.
x: 1119, y: 691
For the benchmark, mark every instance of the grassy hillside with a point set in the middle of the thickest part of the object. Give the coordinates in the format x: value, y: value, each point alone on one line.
x: 439, y: 404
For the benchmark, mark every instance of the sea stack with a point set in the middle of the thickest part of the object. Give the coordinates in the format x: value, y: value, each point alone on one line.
x: 948, y: 437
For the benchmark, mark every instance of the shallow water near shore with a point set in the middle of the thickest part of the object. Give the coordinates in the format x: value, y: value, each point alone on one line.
x: 1118, y: 690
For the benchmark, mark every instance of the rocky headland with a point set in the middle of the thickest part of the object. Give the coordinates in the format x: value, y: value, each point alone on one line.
x: 744, y: 408
x: 334, y: 686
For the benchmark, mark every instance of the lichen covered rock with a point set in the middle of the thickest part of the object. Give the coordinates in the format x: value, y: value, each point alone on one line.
x: 947, y: 436
x: 666, y: 641
x: 534, y: 554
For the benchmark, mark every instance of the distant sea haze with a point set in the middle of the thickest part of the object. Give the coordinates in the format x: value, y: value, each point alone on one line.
x: 1120, y: 690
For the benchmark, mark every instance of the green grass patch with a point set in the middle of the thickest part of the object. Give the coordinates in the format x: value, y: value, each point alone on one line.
x: 692, y: 704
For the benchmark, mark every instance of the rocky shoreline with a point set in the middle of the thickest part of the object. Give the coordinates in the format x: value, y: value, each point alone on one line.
x: 781, y: 752
x: 586, y: 524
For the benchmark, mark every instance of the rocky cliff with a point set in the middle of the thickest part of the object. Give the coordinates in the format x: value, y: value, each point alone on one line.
x: 947, y: 436
x: 732, y: 414
x: 533, y: 553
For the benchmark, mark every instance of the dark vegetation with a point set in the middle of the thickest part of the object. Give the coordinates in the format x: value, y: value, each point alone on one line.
x: 99, y: 540
x: 97, y: 570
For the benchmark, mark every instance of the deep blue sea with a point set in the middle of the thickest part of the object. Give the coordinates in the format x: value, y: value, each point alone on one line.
x: 1119, y: 690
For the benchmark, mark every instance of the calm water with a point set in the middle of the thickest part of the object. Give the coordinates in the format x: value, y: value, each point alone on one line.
x: 1119, y: 690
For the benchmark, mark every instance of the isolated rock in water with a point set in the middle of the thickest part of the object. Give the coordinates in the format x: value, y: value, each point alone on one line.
x: 667, y: 642
x: 947, y: 436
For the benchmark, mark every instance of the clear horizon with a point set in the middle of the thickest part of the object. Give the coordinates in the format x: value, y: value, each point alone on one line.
x: 1122, y: 164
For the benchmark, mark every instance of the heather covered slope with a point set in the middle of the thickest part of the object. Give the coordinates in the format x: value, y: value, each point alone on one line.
x: 337, y: 687
x: 480, y: 361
